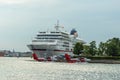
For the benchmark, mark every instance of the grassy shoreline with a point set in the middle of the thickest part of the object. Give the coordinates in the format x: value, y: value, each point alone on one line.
x: 103, y: 59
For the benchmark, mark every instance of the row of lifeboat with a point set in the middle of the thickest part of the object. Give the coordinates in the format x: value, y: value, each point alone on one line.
x: 60, y: 58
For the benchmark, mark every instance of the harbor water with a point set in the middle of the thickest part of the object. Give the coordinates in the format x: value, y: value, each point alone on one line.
x: 12, y: 68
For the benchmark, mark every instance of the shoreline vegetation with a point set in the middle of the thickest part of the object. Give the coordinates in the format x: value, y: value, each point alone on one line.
x: 105, y: 52
x: 102, y: 59
x: 105, y: 60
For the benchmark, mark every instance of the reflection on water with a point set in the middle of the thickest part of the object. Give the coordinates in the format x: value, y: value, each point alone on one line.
x: 27, y: 69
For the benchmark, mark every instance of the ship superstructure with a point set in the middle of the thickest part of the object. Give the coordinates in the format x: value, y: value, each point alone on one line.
x: 56, y: 42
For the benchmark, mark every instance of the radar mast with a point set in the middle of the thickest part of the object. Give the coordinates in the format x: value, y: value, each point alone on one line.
x: 57, y: 26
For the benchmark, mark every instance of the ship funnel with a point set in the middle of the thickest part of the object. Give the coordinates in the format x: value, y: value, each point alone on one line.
x: 74, y: 32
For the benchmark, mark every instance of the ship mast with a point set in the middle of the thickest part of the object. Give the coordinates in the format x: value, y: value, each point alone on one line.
x: 57, y: 25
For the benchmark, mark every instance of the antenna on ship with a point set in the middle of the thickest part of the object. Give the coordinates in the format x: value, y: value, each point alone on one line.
x: 57, y: 22
x: 57, y: 25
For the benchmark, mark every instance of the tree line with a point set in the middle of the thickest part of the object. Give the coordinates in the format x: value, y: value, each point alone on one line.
x: 109, y: 48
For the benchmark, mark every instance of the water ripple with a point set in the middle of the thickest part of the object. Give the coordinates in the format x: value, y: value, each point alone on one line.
x: 28, y: 69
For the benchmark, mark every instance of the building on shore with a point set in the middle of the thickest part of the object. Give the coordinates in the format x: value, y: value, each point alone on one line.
x: 8, y: 53
x: 1, y: 53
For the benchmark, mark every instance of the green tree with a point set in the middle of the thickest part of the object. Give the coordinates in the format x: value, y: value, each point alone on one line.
x: 78, y: 48
x: 93, y: 48
x: 86, y: 50
x: 113, y: 47
x: 101, y: 49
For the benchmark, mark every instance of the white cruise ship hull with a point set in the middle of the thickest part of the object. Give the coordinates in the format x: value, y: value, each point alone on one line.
x: 48, y: 50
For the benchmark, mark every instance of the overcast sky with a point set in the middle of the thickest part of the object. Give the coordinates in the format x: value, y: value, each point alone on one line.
x: 20, y: 20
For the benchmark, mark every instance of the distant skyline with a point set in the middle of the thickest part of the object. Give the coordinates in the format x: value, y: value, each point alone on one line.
x: 20, y: 20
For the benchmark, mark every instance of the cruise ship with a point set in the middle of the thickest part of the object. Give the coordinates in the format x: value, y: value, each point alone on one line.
x: 55, y: 42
